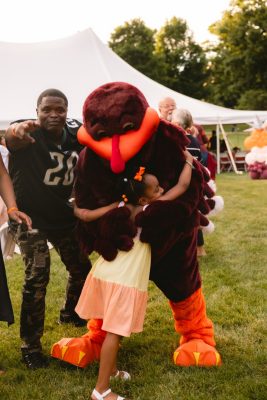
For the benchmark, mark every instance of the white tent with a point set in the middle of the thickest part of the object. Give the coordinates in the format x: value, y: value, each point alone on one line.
x: 77, y: 65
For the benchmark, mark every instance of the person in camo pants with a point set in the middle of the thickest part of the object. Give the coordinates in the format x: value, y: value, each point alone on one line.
x: 43, y: 154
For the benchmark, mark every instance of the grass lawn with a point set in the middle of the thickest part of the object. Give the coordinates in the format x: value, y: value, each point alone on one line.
x: 236, y: 139
x: 234, y: 282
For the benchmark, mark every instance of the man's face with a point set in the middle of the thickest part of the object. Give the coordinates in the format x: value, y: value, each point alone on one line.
x: 166, y: 107
x: 52, y: 114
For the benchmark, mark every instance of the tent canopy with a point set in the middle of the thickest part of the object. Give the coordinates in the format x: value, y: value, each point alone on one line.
x: 77, y: 65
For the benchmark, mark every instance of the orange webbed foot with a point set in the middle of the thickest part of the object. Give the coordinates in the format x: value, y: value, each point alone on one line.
x: 76, y: 351
x: 196, y: 353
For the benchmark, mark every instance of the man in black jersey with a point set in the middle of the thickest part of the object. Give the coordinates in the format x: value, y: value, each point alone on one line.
x: 43, y: 154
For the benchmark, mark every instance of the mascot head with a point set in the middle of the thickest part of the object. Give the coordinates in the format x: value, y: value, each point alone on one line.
x: 130, y: 123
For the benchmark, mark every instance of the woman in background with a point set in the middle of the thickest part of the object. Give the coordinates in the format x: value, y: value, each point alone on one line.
x: 183, y: 118
x: 8, y: 196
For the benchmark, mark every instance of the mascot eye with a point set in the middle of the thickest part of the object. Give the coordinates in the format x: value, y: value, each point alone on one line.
x: 101, y: 134
x: 128, y: 126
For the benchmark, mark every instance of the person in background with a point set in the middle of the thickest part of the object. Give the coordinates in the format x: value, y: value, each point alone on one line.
x: 6, y: 240
x: 223, y: 147
x: 4, y: 156
x: 212, y: 144
x: 207, y: 159
x: 8, y: 196
x: 166, y: 106
x: 43, y: 154
x: 212, y: 155
x: 235, y: 150
x: 234, y: 128
x: 203, y: 142
x: 183, y: 118
x: 4, y: 152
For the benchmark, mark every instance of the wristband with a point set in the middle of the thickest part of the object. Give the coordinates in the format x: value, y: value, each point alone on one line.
x: 11, y: 209
x: 189, y: 163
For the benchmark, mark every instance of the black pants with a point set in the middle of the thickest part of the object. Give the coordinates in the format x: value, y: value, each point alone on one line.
x: 6, y: 311
x: 36, y: 257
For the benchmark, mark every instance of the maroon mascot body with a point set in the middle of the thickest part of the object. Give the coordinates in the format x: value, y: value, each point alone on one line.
x: 121, y: 137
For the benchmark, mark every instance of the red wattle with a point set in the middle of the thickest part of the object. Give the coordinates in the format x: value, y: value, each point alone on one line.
x: 117, y: 164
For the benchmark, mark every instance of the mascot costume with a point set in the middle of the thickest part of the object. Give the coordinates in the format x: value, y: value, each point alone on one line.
x: 121, y: 133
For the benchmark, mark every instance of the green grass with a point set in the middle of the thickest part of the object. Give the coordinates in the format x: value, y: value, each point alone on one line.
x: 236, y: 138
x: 234, y: 283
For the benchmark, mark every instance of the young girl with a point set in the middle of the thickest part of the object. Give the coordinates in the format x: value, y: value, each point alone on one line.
x: 7, y: 194
x: 116, y: 291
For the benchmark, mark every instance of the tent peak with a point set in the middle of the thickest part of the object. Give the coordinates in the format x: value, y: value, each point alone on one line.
x: 56, y: 39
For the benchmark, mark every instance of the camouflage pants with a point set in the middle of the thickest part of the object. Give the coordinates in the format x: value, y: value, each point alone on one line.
x: 36, y: 257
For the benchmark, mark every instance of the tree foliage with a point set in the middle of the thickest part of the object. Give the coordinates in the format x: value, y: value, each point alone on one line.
x: 185, y: 60
x: 134, y: 42
x: 254, y: 99
x: 239, y: 67
x: 170, y: 56
x: 232, y: 73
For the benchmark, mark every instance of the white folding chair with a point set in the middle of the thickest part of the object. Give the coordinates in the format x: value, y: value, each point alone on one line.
x: 225, y: 163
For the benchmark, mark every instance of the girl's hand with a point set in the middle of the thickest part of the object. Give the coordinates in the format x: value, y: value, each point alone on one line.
x: 114, y: 205
x: 20, y: 217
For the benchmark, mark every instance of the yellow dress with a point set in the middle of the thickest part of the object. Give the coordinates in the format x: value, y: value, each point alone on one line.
x: 116, y: 291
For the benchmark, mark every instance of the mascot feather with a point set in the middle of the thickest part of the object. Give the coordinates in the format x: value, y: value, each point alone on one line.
x: 120, y: 133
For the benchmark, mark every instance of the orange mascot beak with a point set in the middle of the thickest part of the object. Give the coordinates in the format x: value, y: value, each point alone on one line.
x: 120, y: 148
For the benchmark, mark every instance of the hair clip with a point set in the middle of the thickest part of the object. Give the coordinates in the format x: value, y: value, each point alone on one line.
x: 124, y: 198
x: 139, y: 175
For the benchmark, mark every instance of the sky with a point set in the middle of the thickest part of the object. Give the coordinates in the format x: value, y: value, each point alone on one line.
x: 36, y: 20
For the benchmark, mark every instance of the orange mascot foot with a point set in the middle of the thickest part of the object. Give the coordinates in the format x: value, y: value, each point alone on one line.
x: 197, y: 344
x: 83, y: 350
x: 76, y: 351
x: 196, y: 353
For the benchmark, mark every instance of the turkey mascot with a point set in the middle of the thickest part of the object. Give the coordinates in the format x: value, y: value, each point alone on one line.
x: 121, y: 133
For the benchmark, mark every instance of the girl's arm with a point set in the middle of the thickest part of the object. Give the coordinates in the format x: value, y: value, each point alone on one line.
x: 183, y: 182
x: 8, y: 196
x: 87, y: 215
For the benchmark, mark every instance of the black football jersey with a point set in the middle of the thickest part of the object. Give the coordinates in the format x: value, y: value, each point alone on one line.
x: 43, y: 176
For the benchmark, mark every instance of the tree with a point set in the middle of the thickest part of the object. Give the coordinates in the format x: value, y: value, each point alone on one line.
x: 240, y: 62
x: 135, y: 43
x: 254, y: 99
x: 185, y: 60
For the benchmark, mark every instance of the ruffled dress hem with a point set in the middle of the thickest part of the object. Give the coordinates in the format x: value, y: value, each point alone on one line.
x: 121, y: 307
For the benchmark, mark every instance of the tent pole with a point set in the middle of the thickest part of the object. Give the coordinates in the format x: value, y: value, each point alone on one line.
x: 218, y: 149
x: 229, y: 150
